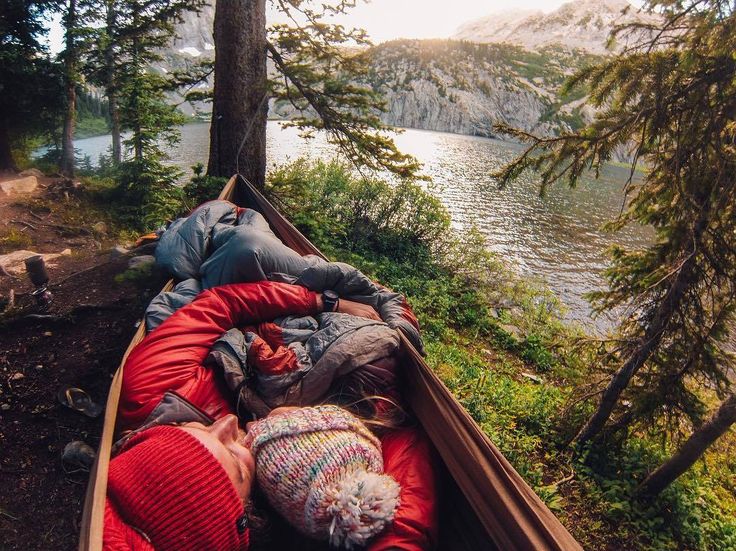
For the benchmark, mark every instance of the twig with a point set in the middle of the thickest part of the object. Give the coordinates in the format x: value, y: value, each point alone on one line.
x: 563, y: 480
x: 38, y: 217
x: 11, y: 517
x: 27, y: 224
x: 53, y: 318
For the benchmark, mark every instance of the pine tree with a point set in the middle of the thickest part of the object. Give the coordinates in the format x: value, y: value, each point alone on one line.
x: 127, y: 44
x: 671, y: 98
x: 322, y: 71
x: 30, y: 85
x: 71, y: 79
x: 692, y: 450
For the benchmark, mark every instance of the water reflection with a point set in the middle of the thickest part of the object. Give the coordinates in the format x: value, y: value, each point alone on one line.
x: 556, y: 238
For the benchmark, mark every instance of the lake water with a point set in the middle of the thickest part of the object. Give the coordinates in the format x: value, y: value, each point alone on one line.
x: 556, y: 239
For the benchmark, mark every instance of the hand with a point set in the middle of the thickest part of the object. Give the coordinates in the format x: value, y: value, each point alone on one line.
x: 357, y: 309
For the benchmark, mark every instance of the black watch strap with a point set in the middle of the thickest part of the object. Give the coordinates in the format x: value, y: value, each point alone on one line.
x: 330, y: 301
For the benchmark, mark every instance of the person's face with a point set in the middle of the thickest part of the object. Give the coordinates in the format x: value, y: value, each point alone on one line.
x: 224, y: 440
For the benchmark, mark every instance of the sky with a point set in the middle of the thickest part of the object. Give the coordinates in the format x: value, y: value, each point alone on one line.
x: 389, y: 19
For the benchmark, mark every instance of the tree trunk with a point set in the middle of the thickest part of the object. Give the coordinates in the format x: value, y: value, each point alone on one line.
x: 111, y: 90
x: 66, y: 164
x: 692, y: 449
x: 652, y: 336
x: 6, y: 154
x: 240, y: 106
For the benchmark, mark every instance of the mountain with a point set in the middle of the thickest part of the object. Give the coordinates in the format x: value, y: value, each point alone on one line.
x: 465, y: 88
x: 504, y: 68
x: 581, y: 24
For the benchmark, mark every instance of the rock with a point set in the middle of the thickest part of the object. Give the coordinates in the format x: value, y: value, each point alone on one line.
x: 532, y: 377
x: 38, y: 367
x: 5, y: 407
x: 14, y: 263
x: 505, y: 303
x: 138, y: 262
x: 19, y: 186
x: 99, y: 227
x: 17, y: 376
x: 118, y: 251
x: 78, y: 455
x: 32, y: 172
x: 512, y: 330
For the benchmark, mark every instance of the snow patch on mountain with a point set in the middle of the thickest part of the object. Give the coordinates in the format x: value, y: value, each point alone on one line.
x: 580, y: 24
x: 189, y: 50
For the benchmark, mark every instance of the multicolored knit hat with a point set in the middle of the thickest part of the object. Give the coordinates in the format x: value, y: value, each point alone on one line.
x: 173, y: 491
x: 321, y: 469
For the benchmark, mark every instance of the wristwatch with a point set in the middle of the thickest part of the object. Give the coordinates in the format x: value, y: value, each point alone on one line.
x: 330, y: 301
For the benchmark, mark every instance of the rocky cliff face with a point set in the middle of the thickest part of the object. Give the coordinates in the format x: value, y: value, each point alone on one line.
x: 466, y: 88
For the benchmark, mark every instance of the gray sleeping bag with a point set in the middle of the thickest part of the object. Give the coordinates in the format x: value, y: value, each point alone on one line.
x: 225, y: 248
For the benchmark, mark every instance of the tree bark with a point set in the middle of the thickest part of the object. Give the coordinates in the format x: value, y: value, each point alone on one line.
x: 240, y: 105
x: 66, y: 164
x: 111, y: 89
x: 692, y: 449
x: 6, y: 153
x: 652, y: 335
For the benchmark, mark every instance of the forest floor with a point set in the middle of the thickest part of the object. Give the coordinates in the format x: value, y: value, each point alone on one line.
x: 86, y: 329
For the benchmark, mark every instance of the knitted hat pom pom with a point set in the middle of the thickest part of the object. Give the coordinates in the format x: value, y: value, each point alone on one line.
x: 361, y: 505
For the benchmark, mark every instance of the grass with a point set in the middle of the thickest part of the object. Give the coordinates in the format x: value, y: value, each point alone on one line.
x: 13, y: 240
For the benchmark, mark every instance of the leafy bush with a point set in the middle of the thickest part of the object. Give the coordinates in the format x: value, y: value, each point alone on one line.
x: 202, y: 188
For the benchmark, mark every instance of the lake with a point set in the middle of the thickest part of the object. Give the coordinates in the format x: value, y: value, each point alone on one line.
x: 556, y: 239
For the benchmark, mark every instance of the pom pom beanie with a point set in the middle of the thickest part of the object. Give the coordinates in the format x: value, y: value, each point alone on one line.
x: 321, y: 469
x: 169, y: 488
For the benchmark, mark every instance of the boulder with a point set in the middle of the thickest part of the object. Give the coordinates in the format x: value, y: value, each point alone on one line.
x: 19, y: 186
x: 14, y: 263
x: 32, y: 172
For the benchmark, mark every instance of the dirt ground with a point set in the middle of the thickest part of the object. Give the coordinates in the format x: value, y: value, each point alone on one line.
x: 91, y: 321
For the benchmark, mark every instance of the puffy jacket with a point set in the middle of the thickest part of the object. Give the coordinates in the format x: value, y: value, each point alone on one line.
x: 172, y: 357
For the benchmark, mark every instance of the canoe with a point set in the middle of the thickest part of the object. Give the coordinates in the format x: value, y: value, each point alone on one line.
x: 485, y: 504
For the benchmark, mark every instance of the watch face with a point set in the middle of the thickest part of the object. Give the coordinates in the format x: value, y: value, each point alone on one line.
x: 332, y: 295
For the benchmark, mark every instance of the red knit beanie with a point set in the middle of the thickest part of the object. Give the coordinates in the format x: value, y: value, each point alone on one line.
x: 168, y: 486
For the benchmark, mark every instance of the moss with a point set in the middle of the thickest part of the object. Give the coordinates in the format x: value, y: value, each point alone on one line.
x: 13, y: 240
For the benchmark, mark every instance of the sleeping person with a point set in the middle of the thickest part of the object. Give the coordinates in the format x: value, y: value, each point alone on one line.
x: 183, y: 471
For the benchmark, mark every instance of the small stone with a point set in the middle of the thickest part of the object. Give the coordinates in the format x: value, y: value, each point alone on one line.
x: 138, y: 262
x: 39, y: 367
x: 78, y: 455
x: 48, y: 334
x: 5, y: 407
x: 118, y: 251
x: 506, y: 303
x: 17, y: 376
x: 512, y: 330
x: 99, y: 227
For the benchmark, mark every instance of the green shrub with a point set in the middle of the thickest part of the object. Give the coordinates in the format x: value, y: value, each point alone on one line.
x: 202, y: 188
